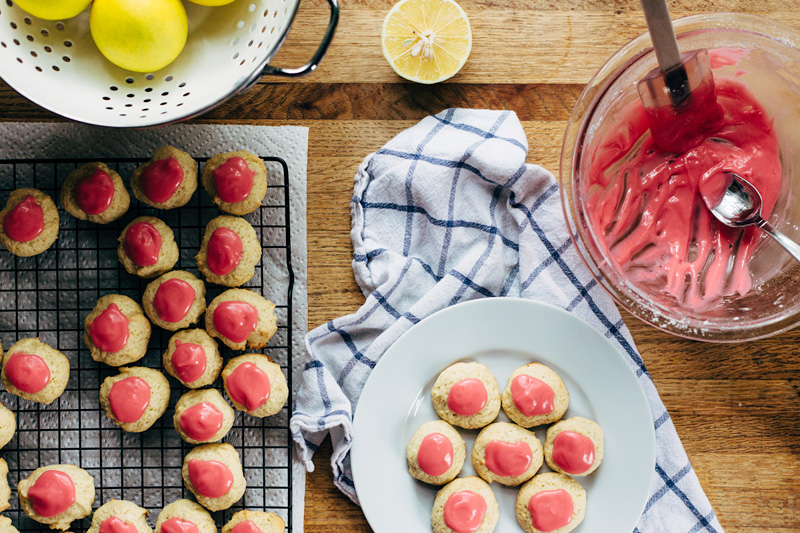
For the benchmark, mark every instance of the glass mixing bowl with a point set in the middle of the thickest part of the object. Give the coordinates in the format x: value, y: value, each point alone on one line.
x: 771, y: 71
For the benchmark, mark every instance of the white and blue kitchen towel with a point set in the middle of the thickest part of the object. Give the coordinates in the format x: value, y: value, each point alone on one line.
x: 449, y: 211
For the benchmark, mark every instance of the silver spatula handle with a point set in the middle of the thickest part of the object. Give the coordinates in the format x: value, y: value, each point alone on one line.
x: 665, y: 44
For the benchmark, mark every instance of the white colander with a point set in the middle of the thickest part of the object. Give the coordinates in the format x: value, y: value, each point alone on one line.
x: 57, y: 65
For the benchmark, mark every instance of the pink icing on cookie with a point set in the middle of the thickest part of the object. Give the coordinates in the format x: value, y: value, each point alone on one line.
x: 463, y: 511
x: 224, y: 251
x: 189, y: 361
x: 129, y: 399
x: 550, y: 509
x: 116, y: 525
x: 532, y: 396
x: 176, y: 525
x: 233, y: 180
x: 467, y: 397
x: 25, y: 221
x: 143, y: 243
x: 248, y: 526
x: 109, y: 330
x: 160, y: 179
x: 508, y: 459
x: 201, y: 421
x: 235, y: 320
x: 573, y: 452
x: 211, y: 479
x: 173, y: 300
x: 248, y: 385
x: 435, y: 455
x: 27, y: 372
x: 94, y: 193
x: 52, y: 493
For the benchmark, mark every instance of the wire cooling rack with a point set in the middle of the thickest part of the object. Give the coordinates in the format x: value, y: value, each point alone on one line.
x: 49, y: 296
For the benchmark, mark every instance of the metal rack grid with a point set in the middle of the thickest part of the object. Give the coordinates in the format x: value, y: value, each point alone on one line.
x: 49, y: 296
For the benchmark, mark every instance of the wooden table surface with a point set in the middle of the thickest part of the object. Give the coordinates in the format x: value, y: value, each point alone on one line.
x: 736, y: 407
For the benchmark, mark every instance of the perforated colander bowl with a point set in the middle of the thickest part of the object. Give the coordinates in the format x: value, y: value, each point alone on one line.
x: 57, y: 65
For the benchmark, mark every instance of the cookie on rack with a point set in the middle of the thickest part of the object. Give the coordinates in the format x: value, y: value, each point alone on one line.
x: 229, y: 252
x: 56, y: 495
x: 120, y: 516
x: 255, y: 384
x: 465, y: 504
x: 96, y: 193
x: 167, y: 181
x: 436, y: 453
x: 116, y: 331
x: 574, y: 446
x: 550, y: 502
x: 193, y: 358
x: 135, y: 398
x: 8, y: 424
x: 182, y: 516
x: 241, y: 319
x: 35, y: 371
x: 213, y: 473
x: 5, y: 490
x: 254, y: 521
x: 28, y: 222
x: 507, y: 453
x: 203, y: 416
x: 236, y: 181
x: 466, y: 395
x: 6, y: 526
x: 535, y: 395
x: 175, y: 300
x: 147, y: 247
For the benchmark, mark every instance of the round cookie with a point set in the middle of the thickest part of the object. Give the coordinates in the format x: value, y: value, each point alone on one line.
x: 96, y: 193
x: 241, y: 318
x: 35, y: 371
x: 236, y: 181
x: 255, y: 384
x: 550, y: 502
x: 435, y: 453
x: 120, y: 515
x: 56, y: 495
x: 147, y: 247
x: 167, y: 181
x: 213, y: 473
x: 203, y: 416
x: 175, y: 300
x: 116, y: 331
x: 466, y: 395
x: 192, y: 357
x: 28, y: 222
x: 8, y: 425
x: 179, y: 516
x: 471, y: 493
x: 535, y: 395
x: 5, y: 490
x: 229, y: 252
x: 6, y: 526
x: 574, y: 446
x: 135, y: 398
x: 258, y: 521
x: 507, y: 453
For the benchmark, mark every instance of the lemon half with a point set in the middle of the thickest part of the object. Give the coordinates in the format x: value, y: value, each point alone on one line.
x: 426, y: 41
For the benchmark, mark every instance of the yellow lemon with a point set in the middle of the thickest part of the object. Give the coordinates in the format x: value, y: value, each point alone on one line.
x: 426, y: 41
x: 139, y: 35
x: 53, y: 9
x: 211, y: 2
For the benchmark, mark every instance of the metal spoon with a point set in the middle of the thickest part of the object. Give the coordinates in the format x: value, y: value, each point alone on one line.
x: 741, y: 206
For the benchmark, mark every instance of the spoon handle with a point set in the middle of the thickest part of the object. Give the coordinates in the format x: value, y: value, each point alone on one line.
x: 788, y: 244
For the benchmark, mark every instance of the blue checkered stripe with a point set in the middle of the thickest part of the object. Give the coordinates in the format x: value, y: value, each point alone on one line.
x: 449, y: 211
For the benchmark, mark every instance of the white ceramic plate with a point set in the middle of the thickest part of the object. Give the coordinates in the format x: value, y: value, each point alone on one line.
x: 503, y: 334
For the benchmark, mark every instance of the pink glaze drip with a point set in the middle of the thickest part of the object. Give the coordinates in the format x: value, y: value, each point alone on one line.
x: 27, y: 372
x: 532, y: 396
x: 94, y: 193
x: 189, y: 361
x: 463, y: 511
x: 508, y: 459
x: 177, y: 525
x: 246, y: 527
x: 143, y: 243
x: 550, y: 509
x: 235, y: 320
x: 248, y: 385
x: 116, y: 525
x: 233, y: 180
x: 211, y: 479
x: 224, y: 251
x: 173, y: 300
x: 25, y: 221
x: 129, y: 399
x: 467, y: 397
x: 573, y: 452
x: 52, y: 493
x: 201, y: 421
x: 109, y: 330
x: 435, y: 454
x: 160, y: 179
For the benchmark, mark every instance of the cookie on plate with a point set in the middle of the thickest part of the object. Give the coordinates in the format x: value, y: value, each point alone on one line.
x: 181, y: 515
x: 236, y: 181
x: 229, y: 252
x: 535, y: 395
x: 465, y: 504
x: 120, y: 516
x: 574, y: 446
x: 167, y: 181
x: 8, y: 425
x: 116, y: 331
x: 203, y: 416
x: 254, y: 522
x: 255, y: 384
x: 96, y: 193
x: 56, y: 495
x: 35, y: 371
x: 193, y: 358
x: 135, y: 398
x: 466, y: 395
x: 147, y: 247
x: 5, y: 490
x: 28, y: 222
x: 213, y: 473
x: 241, y: 319
x: 550, y: 502
x: 175, y: 300
x: 436, y: 453
x: 507, y: 453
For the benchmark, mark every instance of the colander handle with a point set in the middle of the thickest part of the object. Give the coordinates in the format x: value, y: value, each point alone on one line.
x: 312, y: 65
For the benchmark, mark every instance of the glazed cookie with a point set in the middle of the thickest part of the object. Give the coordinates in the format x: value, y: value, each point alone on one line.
x: 167, y: 181
x: 465, y: 504
x: 506, y: 453
x: 203, y: 416
x: 5, y: 490
x: 8, y: 425
x: 236, y: 181
x: 435, y: 453
x: 255, y: 384
x: 116, y: 331
x: 135, y: 398
x: 213, y: 473
x: 120, y: 516
x: 241, y: 318
x: 254, y: 522
x: 535, y: 395
x: 147, y: 247
x: 96, y: 193
x: 229, y: 252
x: 56, y: 495
x: 6, y: 526
x: 181, y: 515
x: 35, y: 371
x: 28, y: 222
x: 466, y: 395
x: 574, y: 446
x: 192, y: 357
x: 175, y: 300
x: 550, y: 502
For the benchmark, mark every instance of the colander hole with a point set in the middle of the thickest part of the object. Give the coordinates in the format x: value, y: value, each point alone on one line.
x: 263, y: 29
x: 272, y: 30
x: 129, y: 80
x: 13, y: 24
x: 130, y: 95
x: 266, y: 12
x: 67, y: 43
x: 235, y: 41
x: 183, y: 84
x: 9, y: 3
x: 106, y: 98
x: 149, y: 77
x: 168, y: 78
x: 260, y: 44
x: 236, y: 55
x: 243, y: 62
x: 251, y: 7
x: 66, y: 59
x: 45, y: 33
x: 146, y: 100
x: 250, y: 43
x: 29, y: 37
x: 240, y: 24
x: 19, y: 60
x: 163, y: 112
x: 55, y: 67
x: 163, y: 103
x: 109, y: 107
x: 128, y: 105
x: 123, y: 114
x: 165, y: 93
x: 34, y: 54
x: 274, y: 14
x: 16, y: 42
x: 48, y: 49
x: 27, y: 21
x: 60, y: 26
x: 180, y: 104
x: 114, y: 88
x: 38, y: 69
x: 186, y: 94
x: 253, y: 27
x: 145, y: 109
x: 4, y: 45
x: 148, y: 89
